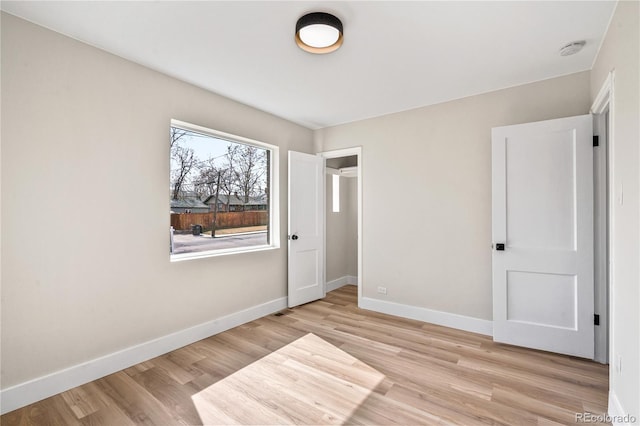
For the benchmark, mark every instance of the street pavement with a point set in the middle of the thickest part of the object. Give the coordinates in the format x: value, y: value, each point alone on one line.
x: 188, y: 243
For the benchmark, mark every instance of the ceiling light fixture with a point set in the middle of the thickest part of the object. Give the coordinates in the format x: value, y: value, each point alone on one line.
x: 319, y: 33
x: 572, y: 48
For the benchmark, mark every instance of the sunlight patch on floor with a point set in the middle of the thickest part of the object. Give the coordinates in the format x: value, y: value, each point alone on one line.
x: 309, y: 381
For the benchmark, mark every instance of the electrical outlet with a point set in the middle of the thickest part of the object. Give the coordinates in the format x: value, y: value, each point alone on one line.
x: 382, y: 290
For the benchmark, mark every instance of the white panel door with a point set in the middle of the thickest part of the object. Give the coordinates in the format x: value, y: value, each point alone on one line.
x: 306, y: 228
x: 542, y: 212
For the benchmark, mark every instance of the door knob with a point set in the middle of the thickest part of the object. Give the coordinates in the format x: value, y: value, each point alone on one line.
x: 500, y: 246
x: 294, y: 237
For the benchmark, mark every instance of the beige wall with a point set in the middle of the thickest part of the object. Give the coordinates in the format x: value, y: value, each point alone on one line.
x: 85, y: 178
x: 621, y: 52
x: 351, y: 205
x: 427, y: 191
x: 342, y: 229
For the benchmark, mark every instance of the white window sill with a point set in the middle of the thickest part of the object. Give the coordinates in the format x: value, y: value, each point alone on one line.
x: 223, y: 252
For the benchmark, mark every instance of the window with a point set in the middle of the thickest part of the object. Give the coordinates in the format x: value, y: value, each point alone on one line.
x: 221, y: 193
x: 336, y: 193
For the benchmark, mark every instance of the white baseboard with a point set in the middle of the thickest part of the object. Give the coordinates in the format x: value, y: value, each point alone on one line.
x: 40, y: 388
x: 614, y: 408
x: 342, y: 281
x: 617, y: 414
x: 460, y: 322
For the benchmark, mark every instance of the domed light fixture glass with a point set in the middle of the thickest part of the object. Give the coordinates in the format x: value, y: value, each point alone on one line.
x: 319, y: 33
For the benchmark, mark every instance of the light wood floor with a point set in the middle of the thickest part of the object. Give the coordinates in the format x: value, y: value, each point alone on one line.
x: 329, y: 362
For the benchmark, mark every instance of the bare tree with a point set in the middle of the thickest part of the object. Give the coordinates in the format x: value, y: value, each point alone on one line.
x: 205, y: 182
x: 176, y: 135
x: 249, y: 171
x: 184, y: 160
x: 228, y: 182
x: 241, y: 170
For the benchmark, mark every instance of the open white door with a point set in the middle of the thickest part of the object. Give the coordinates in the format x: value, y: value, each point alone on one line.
x: 542, y: 179
x: 306, y: 228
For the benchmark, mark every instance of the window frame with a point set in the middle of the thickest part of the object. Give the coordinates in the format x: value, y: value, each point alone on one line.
x: 273, y: 227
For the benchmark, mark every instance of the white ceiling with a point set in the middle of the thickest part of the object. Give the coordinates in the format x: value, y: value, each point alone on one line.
x: 396, y: 55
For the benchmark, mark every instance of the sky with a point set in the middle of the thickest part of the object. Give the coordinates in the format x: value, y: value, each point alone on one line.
x: 204, y: 147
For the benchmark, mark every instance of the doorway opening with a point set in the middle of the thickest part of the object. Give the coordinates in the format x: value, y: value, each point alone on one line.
x: 343, y: 219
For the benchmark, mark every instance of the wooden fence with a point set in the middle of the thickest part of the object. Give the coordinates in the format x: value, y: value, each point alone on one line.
x: 183, y: 221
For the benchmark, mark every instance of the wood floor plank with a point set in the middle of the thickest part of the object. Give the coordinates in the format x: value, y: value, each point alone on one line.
x: 584, y: 392
x: 447, y: 413
x: 173, y: 370
x: 84, y: 400
x: 540, y: 408
x: 329, y: 362
x: 378, y: 409
x: 137, y: 402
x: 174, y: 396
x: 110, y: 416
x: 50, y: 412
